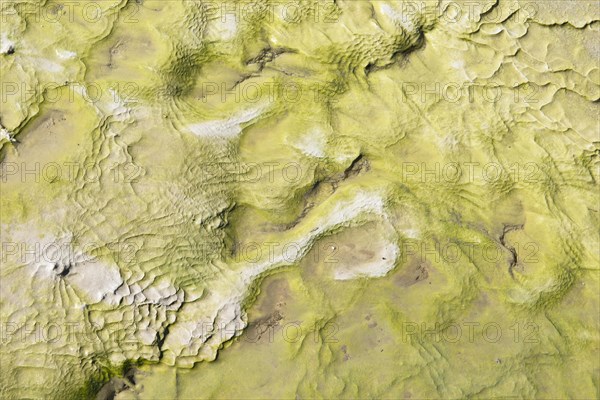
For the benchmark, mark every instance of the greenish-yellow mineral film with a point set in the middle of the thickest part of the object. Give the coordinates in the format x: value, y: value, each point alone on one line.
x: 299, y: 199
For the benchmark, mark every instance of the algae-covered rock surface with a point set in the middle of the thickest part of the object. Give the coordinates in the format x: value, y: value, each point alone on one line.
x: 275, y: 199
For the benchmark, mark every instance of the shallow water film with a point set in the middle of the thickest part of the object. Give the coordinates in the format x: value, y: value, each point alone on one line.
x: 299, y: 199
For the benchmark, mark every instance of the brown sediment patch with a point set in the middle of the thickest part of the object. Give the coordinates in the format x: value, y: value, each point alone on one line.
x: 268, y: 311
x: 417, y: 271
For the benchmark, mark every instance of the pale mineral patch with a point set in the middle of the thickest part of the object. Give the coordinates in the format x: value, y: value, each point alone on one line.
x: 226, y: 128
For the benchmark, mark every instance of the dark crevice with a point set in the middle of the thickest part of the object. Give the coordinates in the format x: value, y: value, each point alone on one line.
x: 267, y: 55
x: 359, y: 165
x: 329, y: 185
x: 62, y: 270
x: 514, y: 259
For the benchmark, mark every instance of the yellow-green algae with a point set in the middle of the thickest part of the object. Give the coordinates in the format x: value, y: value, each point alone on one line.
x: 178, y: 191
